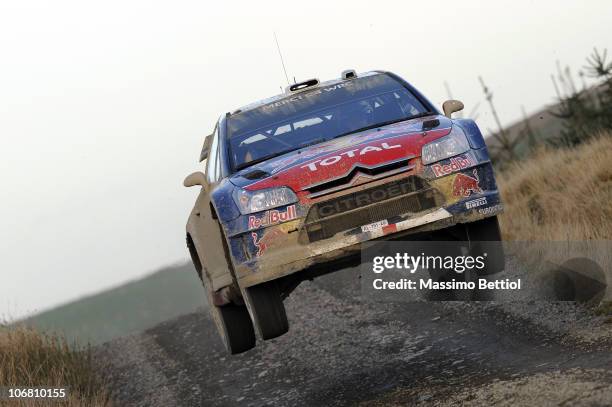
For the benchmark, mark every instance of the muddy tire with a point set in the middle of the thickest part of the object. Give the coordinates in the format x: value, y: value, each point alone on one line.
x: 233, y: 321
x: 268, y: 310
x: 234, y: 325
x: 237, y: 329
x: 485, y: 237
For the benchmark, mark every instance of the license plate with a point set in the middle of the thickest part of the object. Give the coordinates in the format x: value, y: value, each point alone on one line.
x: 374, y: 226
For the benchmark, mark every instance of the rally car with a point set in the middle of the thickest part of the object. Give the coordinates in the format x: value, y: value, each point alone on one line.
x: 293, y: 185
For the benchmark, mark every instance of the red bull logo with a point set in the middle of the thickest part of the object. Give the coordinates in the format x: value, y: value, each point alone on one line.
x: 455, y: 164
x: 262, y: 243
x: 464, y: 185
x: 273, y: 217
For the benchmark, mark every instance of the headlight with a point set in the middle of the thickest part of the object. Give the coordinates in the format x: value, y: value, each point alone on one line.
x: 448, y: 146
x: 256, y: 201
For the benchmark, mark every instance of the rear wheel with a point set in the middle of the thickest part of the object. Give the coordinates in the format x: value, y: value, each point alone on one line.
x: 268, y: 310
x: 485, y: 240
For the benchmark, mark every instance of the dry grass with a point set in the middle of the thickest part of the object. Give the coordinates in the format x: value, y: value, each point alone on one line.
x: 560, y: 194
x: 32, y: 359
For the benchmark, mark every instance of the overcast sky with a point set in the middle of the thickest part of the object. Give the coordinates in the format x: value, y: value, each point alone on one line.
x: 104, y: 106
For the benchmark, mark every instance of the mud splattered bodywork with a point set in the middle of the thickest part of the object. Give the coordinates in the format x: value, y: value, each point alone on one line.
x: 379, y: 179
x: 280, y: 197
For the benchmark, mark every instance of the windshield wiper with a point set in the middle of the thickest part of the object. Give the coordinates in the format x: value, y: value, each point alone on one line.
x: 381, y: 124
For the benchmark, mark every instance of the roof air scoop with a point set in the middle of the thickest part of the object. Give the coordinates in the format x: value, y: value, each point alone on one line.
x: 430, y: 124
x: 348, y: 74
x: 296, y: 87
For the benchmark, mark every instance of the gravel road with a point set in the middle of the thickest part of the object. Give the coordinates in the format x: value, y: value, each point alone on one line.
x: 344, y: 350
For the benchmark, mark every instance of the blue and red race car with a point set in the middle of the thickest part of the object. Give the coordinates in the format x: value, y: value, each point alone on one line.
x: 294, y: 184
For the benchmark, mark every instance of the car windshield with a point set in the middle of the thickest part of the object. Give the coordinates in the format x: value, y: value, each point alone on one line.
x: 317, y: 115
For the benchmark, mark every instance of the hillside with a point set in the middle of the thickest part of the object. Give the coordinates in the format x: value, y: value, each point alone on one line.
x: 543, y: 124
x: 130, y: 308
x: 557, y: 195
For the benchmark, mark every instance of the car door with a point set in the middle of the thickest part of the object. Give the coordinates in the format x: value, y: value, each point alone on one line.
x: 207, y: 237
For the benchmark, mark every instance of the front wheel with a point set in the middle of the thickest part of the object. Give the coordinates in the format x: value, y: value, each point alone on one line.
x: 268, y: 310
x: 237, y: 329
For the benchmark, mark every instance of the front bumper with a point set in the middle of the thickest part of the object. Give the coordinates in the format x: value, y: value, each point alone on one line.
x: 276, y: 251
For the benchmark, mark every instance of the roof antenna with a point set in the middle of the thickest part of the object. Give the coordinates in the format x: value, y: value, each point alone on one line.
x: 281, y: 58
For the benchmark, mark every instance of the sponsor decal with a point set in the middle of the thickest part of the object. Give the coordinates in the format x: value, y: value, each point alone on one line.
x: 313, y: 166
x: 491, y: 209
x: 262, y: 243
x: 306, y: 95
x: 273, y: 217
x: 475, y: 203
x: 464, y: 185
x: 363, y: 198
x: 312, y: 151
x: 455, y: 164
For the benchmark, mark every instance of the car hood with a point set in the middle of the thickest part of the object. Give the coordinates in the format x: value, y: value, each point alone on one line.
x: 301, y: 169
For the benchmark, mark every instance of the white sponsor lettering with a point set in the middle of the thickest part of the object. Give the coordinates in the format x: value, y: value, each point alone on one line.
x: 305, y: 96
x: 491, y: 209
x: 331, y: 160
x: 476, y: 202
x: 350, y: 153
x: 369, y: 148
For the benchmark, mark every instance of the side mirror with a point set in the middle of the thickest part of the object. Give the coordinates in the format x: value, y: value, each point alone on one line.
x: 197, y: 178
x: 206, y: 148
x: 451, y: 106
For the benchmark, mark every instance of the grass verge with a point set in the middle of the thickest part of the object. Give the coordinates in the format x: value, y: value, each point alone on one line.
x: 560, y: 194
x: 29, y: 358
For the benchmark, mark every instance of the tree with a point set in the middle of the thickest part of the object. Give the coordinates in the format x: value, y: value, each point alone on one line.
x: 587, y: 111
